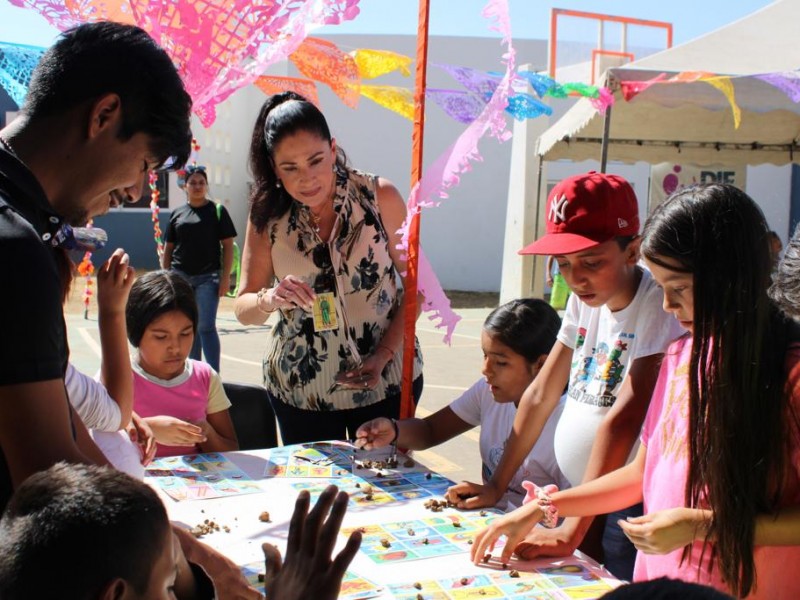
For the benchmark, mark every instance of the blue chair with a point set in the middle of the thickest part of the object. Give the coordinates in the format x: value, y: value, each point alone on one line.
x: 252, y: 416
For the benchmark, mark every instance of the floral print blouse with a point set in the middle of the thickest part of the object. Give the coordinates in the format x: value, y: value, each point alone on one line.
x: 301, y: 364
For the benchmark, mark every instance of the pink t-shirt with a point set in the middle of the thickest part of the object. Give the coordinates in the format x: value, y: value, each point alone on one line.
x: 666, y: 468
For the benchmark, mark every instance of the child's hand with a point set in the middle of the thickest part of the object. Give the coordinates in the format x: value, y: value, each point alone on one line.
x: 174, y: 432
x: 665, y: 530
x: 376, y: 433
x: 114, y: 281
x: 559, y: 541
x: 141, y: 433
x: 472, y: 495
x: 309, y: 550
x: 514, y: 525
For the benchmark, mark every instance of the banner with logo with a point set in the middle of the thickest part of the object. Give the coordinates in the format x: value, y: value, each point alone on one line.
x: 667, y: 178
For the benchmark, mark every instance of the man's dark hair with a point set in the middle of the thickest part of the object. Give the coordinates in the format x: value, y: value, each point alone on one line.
x: 94, y: 59
x: 154, y: 294
x: 70, y: 530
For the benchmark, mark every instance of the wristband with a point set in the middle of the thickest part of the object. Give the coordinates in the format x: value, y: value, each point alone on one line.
x: 541, y: 495
x: 396, y: 432
x: 259, y: 295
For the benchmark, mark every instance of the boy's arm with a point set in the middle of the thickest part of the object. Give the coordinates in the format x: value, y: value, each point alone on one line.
x: 35, y: 431
x: 612, y: 445
x: 535, y: 407
x: 114, y: 281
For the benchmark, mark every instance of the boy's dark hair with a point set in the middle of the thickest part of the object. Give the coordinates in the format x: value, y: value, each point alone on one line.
x: 528, y: 326
x: 736, y: 375
x: 785, y: 290
x: 665, y: 589
x: 94, y: 59
x: 74, y: 528
x: 281, y: 115
x: 154, y: 294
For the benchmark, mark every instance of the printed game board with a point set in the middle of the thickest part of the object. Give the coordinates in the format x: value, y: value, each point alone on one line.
x: 354, y: 587
x: 305, y: 461
x: 198, y: 476
x: 441, y: 534
x: 566, y: 582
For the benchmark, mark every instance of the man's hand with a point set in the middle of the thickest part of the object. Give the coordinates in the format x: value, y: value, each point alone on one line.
x: 309, y: 571
x: 468, y: 495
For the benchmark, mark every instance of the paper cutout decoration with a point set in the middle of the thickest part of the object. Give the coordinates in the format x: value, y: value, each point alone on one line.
x: 524, y: 106
x: 16, y: 66
x: 374, y: 63
x: 270, y: 84
x: 725, y: 85
x: 322, y: 60
x: 787, y: 81
x: 478, y: 82
x: 462, y: 106
x: 218, y: 45
x: 397, y: 99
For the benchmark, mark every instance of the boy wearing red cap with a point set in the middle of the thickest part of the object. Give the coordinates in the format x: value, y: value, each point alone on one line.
x: 609, y: 350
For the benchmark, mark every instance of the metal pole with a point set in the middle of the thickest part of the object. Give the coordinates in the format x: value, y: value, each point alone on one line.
x: 604, y: 143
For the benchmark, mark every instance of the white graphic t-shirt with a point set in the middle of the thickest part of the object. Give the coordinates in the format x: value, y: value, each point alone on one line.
x: 605, y: 343
x: 476, y: 406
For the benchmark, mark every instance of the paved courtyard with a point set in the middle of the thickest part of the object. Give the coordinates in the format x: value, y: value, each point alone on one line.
x: 449, y: 370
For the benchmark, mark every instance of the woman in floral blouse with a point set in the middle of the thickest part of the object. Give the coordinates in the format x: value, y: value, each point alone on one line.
x: 321, y: 248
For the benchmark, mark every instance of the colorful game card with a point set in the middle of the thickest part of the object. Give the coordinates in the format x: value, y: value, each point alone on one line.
x: 303, y: 461
x: 556, y: 583
x: 441, y: 534
x: 354, y: 587
x: 198, y: 476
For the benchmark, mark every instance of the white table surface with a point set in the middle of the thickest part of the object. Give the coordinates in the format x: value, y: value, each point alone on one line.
x: 242, y: 544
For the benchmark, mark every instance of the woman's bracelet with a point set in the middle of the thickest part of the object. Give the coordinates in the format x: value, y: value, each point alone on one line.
x: 259, y: 295
x: 389, y: 350
x: 396, y: 431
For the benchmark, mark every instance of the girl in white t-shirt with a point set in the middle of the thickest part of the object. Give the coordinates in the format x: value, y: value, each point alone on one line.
x: 516, y: 339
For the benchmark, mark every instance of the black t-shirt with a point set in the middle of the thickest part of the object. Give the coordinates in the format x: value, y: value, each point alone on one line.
x: 196, y: 233
x: 33, y: 342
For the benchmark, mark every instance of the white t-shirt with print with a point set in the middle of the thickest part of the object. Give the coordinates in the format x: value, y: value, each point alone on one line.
x: 605, y: 344
x: 477, y: 406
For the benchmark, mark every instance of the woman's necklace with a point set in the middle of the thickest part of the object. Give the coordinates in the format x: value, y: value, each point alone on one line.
x: 316, y: 219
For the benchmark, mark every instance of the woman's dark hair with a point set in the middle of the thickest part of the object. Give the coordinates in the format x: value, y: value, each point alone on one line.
x: 281, y: 115
x: 528, y: 326
x: 196, y: 171
x: 739, y: 412
x: 94, y: 59
x: 154, y: 294
x: 785, y: 290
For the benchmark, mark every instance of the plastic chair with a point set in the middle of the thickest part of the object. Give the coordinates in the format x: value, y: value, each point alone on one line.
x: 252, y: 416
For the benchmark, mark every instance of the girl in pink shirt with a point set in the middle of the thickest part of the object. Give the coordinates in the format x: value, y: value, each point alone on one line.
x: 719, y: 465
x: 180, y: 398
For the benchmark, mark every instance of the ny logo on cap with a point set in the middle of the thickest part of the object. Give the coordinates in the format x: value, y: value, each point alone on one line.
x: 557, y: 207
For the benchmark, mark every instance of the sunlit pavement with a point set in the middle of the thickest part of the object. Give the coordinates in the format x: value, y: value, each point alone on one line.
x: 449, y: 370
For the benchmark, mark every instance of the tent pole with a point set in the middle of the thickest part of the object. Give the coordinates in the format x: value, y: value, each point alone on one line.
x: 407, y: 407
x: 604, y: 143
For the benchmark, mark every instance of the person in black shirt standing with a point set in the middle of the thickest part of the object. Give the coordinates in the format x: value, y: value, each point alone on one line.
x: 200, y: 247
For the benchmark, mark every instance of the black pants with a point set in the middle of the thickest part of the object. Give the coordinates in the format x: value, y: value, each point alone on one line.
x: 299, y: 426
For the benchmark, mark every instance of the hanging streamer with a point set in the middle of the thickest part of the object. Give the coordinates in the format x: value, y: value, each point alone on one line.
x: 446, y: 170
x: 462, y: 106
x: 270, y: 85
x: 322, y: 61
x: 374, y: 63
x: 218, y: 45
x: 397, y: 99
x: 562, y: 90
x: 478, y: 82
x: 154, y: 210
x: 524, y: 106
x: 86, y: 270
x: 540, y: 83
x: 787, y: 81
x: 604, y: 99
x: 16, y: 66
x: 725, y: 85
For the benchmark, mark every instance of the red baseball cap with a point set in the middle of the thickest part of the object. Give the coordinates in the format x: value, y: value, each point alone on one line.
x: 587, y: 210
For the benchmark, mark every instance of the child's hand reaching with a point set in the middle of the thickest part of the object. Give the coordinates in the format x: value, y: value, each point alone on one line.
x: 114, y: 281
x: 376, y: 433
x: 468, y: 495
x: 174, y: 432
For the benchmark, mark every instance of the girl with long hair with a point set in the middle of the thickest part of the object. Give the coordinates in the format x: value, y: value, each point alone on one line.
x: 719, y: 465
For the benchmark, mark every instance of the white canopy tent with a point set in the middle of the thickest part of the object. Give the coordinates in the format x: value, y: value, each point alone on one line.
x: 682, y: 123
x: 693, y: 122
